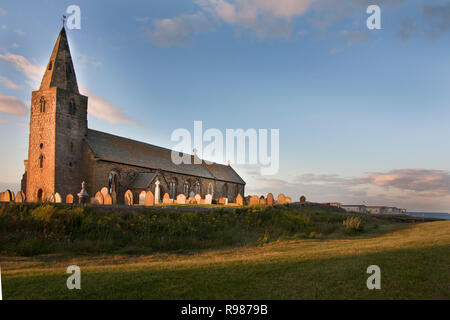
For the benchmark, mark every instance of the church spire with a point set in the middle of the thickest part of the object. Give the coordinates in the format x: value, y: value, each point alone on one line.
x: 60, y: 72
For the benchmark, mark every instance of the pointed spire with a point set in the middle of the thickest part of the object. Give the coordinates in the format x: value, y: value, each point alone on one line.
x: 60, y: 72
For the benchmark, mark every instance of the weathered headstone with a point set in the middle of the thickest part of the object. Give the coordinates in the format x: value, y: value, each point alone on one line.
x: 191, y: 194
x: 270, y: 199
x: 58, y: 198
x: 20, y: 197
x: 198, y: 198
x: 69, y: 199
x: 7, y: 196
x: 128, y: 197
x: 288, y: 200
x: 281, y: 199
x: 83, y: 196
x: 239, y: 200
x: 262, y: 201
x: 254, y: 200
x: 98, y: 198
x: 181, y: 199
x: 302, y: 199
x: 114, y: 197
x: 104, y: 191
x: 166, y: 198
x: 149, y: 199
x: 51, y: 198
x: 157, y: 192
x: 142, y: 196
x: 107, y: 200
x: 191, y: 201
x: 208, y: 199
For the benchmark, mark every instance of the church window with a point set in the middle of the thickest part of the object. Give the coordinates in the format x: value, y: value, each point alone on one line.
x: 42, y: 105
x: 197, y: 188
x: 172, y: 189
x: 113, y: 182
x: 50, y: 65
x: 41, y: 146
x: 41, y: 161
x: 72, y: 108
x: 210, y: 189
x: 186, y: 189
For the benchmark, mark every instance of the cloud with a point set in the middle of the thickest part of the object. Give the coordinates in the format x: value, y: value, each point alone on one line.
x: 10, y: 84
x: 415, y: 189
x: 19, y: 32
x: 102, y: 109
x: 168, y: 32
x: 14, y: 46
x: 3, y: 27
x: 85, y: 60
x: 12, y: 106
x: 8, y: 121
x: 265, y: 17
x: 432, y: 182
x: 407, y: 29
x: 32, y: 71
x: 2, y: 12
x: 439, y: 17
x: 352, y: 37
x: 142, y: 19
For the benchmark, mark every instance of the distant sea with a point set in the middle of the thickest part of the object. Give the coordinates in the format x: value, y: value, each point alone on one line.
x: 437, y: 215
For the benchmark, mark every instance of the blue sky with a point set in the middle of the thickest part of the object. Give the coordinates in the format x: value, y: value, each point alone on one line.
x: 363, y: 114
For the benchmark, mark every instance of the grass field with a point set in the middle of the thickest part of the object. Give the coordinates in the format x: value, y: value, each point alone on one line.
x: 414, y: 262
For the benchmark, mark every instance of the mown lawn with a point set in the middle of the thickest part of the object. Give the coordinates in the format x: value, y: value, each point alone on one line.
x: 414, y: 262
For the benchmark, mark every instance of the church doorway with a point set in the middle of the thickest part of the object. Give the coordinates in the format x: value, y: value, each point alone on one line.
x: 40, y: 195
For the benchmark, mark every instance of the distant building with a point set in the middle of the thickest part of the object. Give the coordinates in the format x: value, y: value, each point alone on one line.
x: 383, y: 210
x: 354, y: 208
x: 332, y: 204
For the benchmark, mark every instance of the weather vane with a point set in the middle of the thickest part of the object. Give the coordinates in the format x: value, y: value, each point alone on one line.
x: 64, y: 17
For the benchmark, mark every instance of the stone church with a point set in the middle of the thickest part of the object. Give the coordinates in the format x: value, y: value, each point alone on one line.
x: 63, y: 152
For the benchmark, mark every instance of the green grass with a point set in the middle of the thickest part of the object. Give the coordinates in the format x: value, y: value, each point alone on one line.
x: 414, y: 264
x: 29, y: 229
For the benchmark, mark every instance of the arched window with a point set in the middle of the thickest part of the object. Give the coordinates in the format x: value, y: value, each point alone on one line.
x: 41, y: 161
x: 72, y: 108
x: 113, y: 182
x: 42, y: 105
x: 50, y: 65
x: 197, y: 187
x: 210, y: 189
x: 173, y: 189
x: 186, y: 189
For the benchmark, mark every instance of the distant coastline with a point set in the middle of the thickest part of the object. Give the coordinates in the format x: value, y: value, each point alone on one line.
x: 438, y: 215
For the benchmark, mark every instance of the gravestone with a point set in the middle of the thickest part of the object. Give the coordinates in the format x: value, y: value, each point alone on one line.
x: 254, y: 200
x: 114, y: 197
x: 58, y: 198
x: 288, y: 200
x: 20, y: 197
x: 142, y: 196
x: 83, y: 196
x: 262, y: 201
x: 239, y: 200
x: 166, y: 198
x: 157, y: 192
x: 302, y: 199
x: 149, y: 199
x: 107, y: 200
x: 7, y: 196
x: 69, y: 199
x: 198, y: 198
x: 181, y: 199
x: 191, y: 201
x: 104, y: 191
x: 98, y: 199
x: 281, y: 199
x: 270, y: 199
x: 208, y: 199
x: 128, y: 197
x: 51, y: 198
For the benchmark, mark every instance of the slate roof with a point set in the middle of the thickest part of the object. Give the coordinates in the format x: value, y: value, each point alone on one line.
x: 113, y: 148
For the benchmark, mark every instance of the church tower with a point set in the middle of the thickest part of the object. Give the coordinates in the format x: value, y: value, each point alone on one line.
x: 58, y: 127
